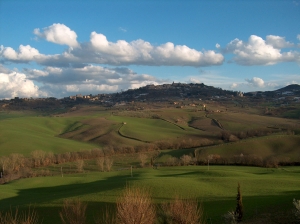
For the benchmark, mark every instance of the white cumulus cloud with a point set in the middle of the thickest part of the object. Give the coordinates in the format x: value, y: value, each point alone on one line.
x: 278, y: 42
x: 140, y: 52
x: 256, y: 82
x: 15, y: 84
x: 257, y: 51
x: 234, y: 85
x: 25, y: 53
x: 101, y: 51
x: 59, y: 34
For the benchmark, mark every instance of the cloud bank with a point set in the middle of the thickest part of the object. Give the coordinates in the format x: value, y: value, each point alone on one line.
x: 101, y: 51
x: 62, y: 82
x: 257, y: 51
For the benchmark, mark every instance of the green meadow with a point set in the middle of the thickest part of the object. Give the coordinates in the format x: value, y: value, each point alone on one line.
x: 282, y: 147
x: 264, y: 190
x: 29, y: 133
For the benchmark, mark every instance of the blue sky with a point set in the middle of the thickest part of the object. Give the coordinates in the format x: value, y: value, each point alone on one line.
x: 62, y: 48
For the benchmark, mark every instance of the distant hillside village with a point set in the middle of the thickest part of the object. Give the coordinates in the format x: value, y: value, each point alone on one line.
x: 167, y: 93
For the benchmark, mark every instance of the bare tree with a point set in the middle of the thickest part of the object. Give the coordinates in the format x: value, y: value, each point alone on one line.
x: 38, y: 157
x: 79, y: 165
x: 97, y: 153
x: 108, y: 163
x: 143, y: 158
x: 135, y: 206
x: 15, y: 162
x: 48, y: 159
x: 3, y: 162
x: 186, y: 159
x: 172, y: 161
x: 73, y: 212
x: 100, y: 163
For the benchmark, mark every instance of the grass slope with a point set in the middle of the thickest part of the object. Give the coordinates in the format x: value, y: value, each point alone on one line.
x: 26, y: 134
x: 283, y: 147
x: 243, y: 122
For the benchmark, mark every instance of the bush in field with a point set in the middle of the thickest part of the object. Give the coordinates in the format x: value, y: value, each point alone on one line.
x: 108, y: 163
x: 296, y: 203
x: 15, y: 217
x: 230, y: 218
x: 108, y: 216
x: 41, y: 158
x: 4, y: 160
x: 172, y: 161
x: 186, y: 159
x: 135, y: 206
x: 143, y: 159
x: 79, y: 165
x: 73, y: 212
x: 100, y: 163
x: 182, y: 211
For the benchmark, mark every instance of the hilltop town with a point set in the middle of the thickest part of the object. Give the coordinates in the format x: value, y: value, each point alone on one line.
x: 175, y: 94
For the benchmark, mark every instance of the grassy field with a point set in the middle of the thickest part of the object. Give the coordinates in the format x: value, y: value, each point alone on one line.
x: 29, y: 133
x: 264, y: 190
x: 281, y: 147
x: 152, y: 129
x: 90, y: 127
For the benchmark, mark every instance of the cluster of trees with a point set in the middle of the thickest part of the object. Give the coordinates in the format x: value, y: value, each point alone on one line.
x: 242, y: 160
x: 216, y: 159
x: 17, y: 166
x: 229, y: 136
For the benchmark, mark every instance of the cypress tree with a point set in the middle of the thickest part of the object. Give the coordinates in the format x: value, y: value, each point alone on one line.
x: 239, y: 205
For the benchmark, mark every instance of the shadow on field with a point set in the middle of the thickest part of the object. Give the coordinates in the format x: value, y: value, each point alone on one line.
x: 179, y: 174
x: 177, y: 153
x: 94, y: 211
x: 257, y: 209
x: 46, y: 195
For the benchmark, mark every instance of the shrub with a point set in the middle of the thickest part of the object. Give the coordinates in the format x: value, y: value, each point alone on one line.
x: 143, y: 158
x: 182, y: 211
x: 108, y: 216
x: 108, y: 163
x: 297, y: 208
x: 172, y: 161
x: 135, y: 206
x: 186, y: 159
x: 100, y: 163
x: 73, y: 212
x: 79, y: 165
x: 11, y: 217
x: 230, y: 217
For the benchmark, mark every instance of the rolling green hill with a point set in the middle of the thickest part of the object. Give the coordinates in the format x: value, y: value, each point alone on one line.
x: 277, y: 147
x: 26, y: 134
